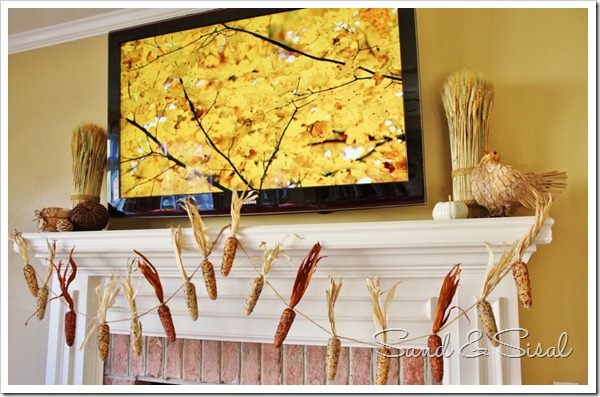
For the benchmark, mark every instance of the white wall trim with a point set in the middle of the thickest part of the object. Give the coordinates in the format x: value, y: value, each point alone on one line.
x: 92, y: 26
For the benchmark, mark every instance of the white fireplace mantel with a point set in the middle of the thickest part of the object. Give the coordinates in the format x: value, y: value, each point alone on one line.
x: 419, y: 253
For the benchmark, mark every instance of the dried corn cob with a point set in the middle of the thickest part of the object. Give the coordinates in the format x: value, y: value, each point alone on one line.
x: 521, y: 275
x: 436, y: 358
x: 447, y: 292
x: 135, y: 329
x: 167, y: 322
x: 44, y: 291
x: 103, y: 340
x: 208, y: 271
x: 151, y: 274
x: 42, y: 301
x: 189, y: 289
x: 70, y: 325
x: 254, y: 293
x: 383, y: 366
x: 380, y: 319
x: 231, y: 242
x: 334, y: 347
x: 31, y: 279
x: 135, y: 326
x: 64, y: 282
x: 484, y: 309
x: 305, y: 272
x: 285, y: 323
x: 229, y: 251
x: 28, y: 270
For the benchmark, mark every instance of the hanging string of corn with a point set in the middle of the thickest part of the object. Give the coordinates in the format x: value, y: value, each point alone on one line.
x: 64, y: 281
x: 231, y: 243
x: 151, y: 275
x: 104, y: 300
x: 468, y: 100
x: 442, y: 314
x: 189, y: 289
x: 130, y: 293
x: 88, y: 150
x: 28, y: 270
x: 380, y: 319
x: 334, y: 345
x: 199, y: 231
x: 305, y: 272
x: 44, y: 291
x: 256, y: 286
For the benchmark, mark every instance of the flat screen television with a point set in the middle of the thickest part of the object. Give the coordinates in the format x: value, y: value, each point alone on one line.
x: 315, y: 109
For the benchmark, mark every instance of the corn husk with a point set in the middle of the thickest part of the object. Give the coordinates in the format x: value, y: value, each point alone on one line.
x: 28, y: 270
x: 65, y: 278
x: 486, y: 315
x: 88, y: 150
x: 520, y: 273
x: 467, y: 99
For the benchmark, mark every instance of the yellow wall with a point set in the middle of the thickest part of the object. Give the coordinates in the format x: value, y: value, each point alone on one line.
x: 537, y: 60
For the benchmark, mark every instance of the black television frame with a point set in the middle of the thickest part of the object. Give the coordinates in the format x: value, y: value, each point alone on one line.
x: 296, y: 200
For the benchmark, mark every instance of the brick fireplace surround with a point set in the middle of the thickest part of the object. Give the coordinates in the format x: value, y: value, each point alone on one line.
x: 193, y: 361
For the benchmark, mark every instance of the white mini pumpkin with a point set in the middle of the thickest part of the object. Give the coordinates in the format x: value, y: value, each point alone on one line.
x: 450, y: 210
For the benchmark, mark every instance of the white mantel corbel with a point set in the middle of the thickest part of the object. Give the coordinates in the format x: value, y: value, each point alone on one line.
x: 420, y: 253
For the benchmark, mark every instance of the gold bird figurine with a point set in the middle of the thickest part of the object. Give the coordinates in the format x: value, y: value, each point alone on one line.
x: 502, y: 188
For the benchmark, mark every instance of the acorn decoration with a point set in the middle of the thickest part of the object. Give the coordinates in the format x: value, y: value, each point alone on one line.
x: 89, y: 215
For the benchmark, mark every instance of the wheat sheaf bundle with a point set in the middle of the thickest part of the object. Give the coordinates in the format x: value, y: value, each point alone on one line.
x: 468, y: 99
x: 88, y: 150
x: 380, y: 318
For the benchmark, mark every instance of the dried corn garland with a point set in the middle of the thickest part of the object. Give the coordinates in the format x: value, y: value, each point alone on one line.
x: 380, y: 318
x: 136, y: 325
x: 208, y: 270
x: 269, y: 257
x: 189, y: 289
x: 104, y: 299
x: 334, y: 345
x: 151, y: 274
x: 28, y: 270
x: 64, y: 281
x: 305, y: 272
x: 231, y: 243
x: 44, y: 291
x: 442, y: 314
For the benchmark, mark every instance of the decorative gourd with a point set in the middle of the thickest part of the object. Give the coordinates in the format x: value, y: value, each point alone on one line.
x: 450, y: 210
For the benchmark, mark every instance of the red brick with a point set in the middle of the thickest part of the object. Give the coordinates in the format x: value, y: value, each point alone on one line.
x: 136, y: 363
x: 413, y: 368
x: 191, y: 360
x: 315, y: 365
x: 230, y: 362
x: 360, y: 366
x: 154, y: 366
x: 394, y: 374
x: 120, y: 349
x: 293, y: 365
x: 271, y: 364
x: 210, y: 361
x: 342, y: 373
x: 174, y: 352
x: 250, y: 370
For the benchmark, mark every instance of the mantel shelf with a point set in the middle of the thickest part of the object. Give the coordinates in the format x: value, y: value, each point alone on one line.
x: 419, y: 253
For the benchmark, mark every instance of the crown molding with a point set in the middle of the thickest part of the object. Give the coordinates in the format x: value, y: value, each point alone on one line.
x: 92, y: 26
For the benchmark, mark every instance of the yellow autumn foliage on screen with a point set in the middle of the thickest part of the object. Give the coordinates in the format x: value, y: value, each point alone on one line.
x: 298, y: 99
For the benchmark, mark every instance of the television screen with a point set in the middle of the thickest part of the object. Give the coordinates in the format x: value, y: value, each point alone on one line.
x: 315, y: 109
